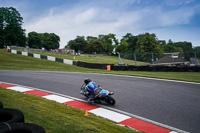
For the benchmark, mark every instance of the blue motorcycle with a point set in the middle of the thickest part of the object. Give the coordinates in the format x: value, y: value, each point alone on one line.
x: 101, y: 94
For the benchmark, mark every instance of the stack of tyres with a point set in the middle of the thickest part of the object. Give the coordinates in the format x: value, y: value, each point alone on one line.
x: 8, y: 116
x: 22, y: 128
x: 12, y: 121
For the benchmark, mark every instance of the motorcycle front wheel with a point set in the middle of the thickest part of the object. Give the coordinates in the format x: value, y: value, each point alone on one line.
x: 109, y: 100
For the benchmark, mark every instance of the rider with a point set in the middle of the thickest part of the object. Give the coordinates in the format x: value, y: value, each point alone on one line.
x: 89, y: 87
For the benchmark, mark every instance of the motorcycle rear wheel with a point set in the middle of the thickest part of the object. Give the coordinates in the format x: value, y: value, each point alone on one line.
x: 109, y: 100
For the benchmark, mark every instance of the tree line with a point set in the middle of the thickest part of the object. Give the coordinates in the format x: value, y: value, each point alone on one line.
x: 142, y: 43
x: 12, y: 33
x: 43, y: 40
x: 129, y: 44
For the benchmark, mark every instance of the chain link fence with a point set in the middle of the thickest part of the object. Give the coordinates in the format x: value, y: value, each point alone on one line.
x: 64, y: 52
x: 170, y: 58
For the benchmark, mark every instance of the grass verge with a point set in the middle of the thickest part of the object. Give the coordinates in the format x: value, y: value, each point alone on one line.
x: 56, y: 117
x: 104, y: 59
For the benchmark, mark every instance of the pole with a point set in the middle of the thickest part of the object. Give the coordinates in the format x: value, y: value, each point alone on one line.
x: 135, y: 58
x: 152, y: 57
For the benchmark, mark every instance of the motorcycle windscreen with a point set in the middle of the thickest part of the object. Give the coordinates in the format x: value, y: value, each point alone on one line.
x: 91, y: 86
x: 104, y: 92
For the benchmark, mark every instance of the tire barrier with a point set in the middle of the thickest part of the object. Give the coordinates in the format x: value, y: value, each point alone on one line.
x: 8, y: 116
x: 157, y: 68
x: 92, y: 65
x: 22, y: 128
x: 12, y: 121
x: 1, y: 105
x: 140, y: 68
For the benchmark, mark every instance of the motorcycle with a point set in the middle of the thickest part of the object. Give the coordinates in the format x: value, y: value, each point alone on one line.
x: 100, y: 94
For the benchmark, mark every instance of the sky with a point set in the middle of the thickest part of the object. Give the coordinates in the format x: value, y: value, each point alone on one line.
x: 178, y: 20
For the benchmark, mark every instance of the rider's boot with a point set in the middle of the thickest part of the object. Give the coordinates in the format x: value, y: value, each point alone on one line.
x: 90, y: 101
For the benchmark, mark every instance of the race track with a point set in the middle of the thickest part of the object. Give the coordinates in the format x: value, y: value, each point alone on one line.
x: 176, y: 104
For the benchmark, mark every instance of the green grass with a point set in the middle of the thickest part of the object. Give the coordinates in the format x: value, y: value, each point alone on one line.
x: 9, y: 61
x: 55, y: 117
x: 98, y: 58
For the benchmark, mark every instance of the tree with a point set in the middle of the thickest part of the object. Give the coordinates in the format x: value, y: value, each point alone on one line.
x: 77, y: 44
x: 95, y: 45
x: 170, y: 42
x: 90, y: 38
x: 162, y: 42
x: 171, y: 48
x: 11, y: 32
x: 147, y: 43
x: 50, y: 41
x: 34, y: 40
x: 132, y: 42
x: 197, y: 51
x: 186, y: 47
x: 108, y: 42
x: 123, y: 47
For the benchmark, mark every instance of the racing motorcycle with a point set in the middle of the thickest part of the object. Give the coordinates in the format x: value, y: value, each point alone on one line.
x: 100, y: 94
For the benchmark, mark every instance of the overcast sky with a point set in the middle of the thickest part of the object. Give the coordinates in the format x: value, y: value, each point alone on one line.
x: 178, y: 20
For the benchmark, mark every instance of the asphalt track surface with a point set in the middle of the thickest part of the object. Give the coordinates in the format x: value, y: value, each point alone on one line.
x: 176, y: 104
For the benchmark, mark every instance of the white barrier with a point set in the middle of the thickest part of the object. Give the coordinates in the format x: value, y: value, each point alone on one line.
x: 51, y: 58
x: 66, y: 61
x: 36, y: 56
x: 14, y: 51
x: 25, y: 53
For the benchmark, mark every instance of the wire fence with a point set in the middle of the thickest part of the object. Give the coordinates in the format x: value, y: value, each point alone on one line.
x: 63, y: 52
x: 170, y: 58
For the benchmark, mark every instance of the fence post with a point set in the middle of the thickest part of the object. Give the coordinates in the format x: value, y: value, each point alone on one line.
x: 135, y: 58
x: 152, y: 57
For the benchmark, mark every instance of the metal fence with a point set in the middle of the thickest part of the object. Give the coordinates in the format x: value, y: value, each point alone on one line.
x: 40, y: 50
x: 158, y: 58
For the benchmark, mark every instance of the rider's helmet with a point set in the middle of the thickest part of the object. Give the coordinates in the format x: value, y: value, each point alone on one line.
x: 87, y: 80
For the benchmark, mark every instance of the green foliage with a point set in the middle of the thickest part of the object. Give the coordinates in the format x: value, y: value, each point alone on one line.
x: 148, y: 43
x: 132, y: 42
x: 11, y: 32
x: 102, y: 44
x: 186, y: 47
x: 77, y: 44
x: 50, y: 41
x: 123, y: 47
x: 108, y: 42
x: 197, y: 51
x: 94, y: 45
x: 45, y: 40
x: 34, y: 40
